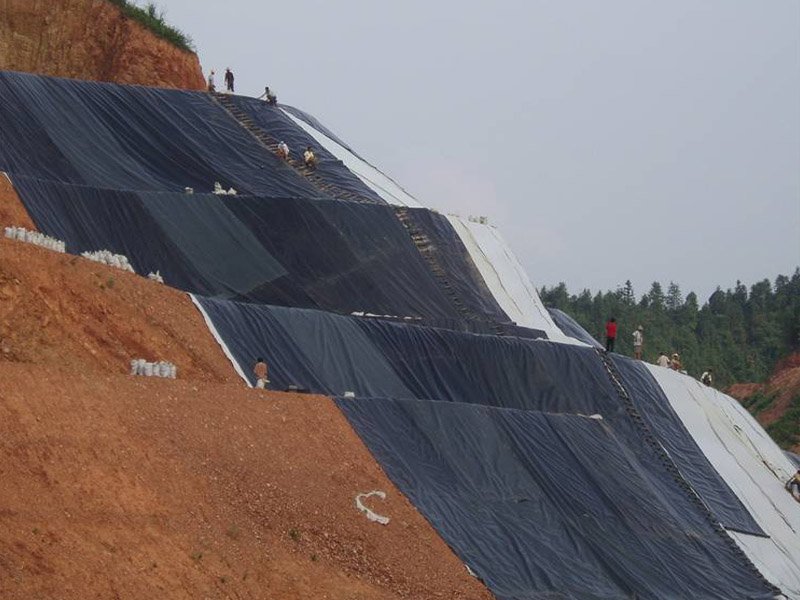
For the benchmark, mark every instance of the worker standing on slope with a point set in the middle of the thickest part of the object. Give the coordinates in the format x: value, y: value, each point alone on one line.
x: 707, y: 378
x: 229, y: 79
x: 611, y: 334
x: 638, y: 342
x: 211, y: 86
x: 260, y: 370
x: 663, y: 360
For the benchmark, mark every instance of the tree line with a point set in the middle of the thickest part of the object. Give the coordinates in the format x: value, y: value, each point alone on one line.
x: 740, y: 333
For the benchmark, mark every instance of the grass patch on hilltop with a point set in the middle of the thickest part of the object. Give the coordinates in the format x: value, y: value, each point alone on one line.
x: 152, y: 18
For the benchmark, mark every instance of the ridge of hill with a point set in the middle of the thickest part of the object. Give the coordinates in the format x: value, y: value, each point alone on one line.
x: 91, y: 39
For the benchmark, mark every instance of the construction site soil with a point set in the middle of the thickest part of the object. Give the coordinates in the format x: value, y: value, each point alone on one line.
x: 12, y: 212
x: 781, y: 389
x: 117, y: 486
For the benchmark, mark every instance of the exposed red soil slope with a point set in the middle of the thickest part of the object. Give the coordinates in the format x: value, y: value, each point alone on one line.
x: 12, y: 211
x: 58, y: 309
x: 90, y: 39
x: 122, y: 487
x: 784, y: 384
x: 116, y: 486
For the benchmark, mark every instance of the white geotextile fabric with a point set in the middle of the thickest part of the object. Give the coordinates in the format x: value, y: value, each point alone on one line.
x: 213, y: 329
x: 372, y: 177
x: 505, y: 277
x: 754, y: 467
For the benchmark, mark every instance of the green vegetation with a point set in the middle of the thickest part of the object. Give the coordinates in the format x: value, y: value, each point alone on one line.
x: 759, y: 402
x: 786, y: 430
x: 740, y: 333
x: 152, y: 18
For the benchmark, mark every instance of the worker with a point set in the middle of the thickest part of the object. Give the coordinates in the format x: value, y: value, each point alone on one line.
x: 638, y: 342
x: 229, y: 79
x: 211, y: 87
x: 675, y: 362
x: 707, y: 378
x: 309, y: 158
x: 793, y: 486
x: 663, y: 360
x: 268, y: 97
x: 283, y: 150
x: 260, y: 370
x: 611, y: 334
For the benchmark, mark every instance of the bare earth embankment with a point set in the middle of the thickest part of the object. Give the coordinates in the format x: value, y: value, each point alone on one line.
x: 122, y: 487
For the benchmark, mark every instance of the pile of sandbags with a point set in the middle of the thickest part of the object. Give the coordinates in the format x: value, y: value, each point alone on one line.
x: 109, y: 258
x: 34, y: 237
x: 140, y: 366
x: 219, y: 191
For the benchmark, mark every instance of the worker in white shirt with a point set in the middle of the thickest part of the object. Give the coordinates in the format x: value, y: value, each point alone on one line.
x: 283, y: 150
x: 638, y: 342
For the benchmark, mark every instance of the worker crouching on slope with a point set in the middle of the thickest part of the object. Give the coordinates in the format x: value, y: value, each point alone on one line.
x: 309, y: 158
x: 260, y: 370
x: 793, y: 486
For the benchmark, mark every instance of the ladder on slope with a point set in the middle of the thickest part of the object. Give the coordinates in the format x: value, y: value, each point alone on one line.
x: 427, y: 250
x: 328, y: 188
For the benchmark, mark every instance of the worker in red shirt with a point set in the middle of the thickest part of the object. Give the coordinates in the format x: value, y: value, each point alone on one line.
x: 611, y: 334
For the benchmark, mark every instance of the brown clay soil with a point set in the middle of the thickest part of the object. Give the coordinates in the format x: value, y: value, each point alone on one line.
x: 90, y: 39
x: 59, y: 309
x: 784, y: 384
x: 12, y: 212
x: 126, y: 487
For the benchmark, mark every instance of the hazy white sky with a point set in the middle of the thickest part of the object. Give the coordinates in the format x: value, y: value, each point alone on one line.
x: 625, y: 139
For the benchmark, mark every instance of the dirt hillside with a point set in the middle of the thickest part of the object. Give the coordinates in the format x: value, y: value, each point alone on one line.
x: 776, y: 403
x: 90, y: 39
x: 126, y: 487
x: 115, y: 487
x: 12, y: 212
x: 64, y: 311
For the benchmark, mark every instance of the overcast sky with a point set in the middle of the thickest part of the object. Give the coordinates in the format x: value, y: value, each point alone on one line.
x: 624, y: 139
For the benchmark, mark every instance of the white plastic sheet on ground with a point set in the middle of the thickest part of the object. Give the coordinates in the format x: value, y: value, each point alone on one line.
x: 213, y: 329
x: 753, y: 466
x: 382, y: 185
x: 506, y: 278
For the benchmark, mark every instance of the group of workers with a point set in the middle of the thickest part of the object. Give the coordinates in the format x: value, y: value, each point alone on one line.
x: 309, y: 156
x: 611, y: 338
x: 673, y: 362
x: 229, y: 81
x: 268, y: 96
